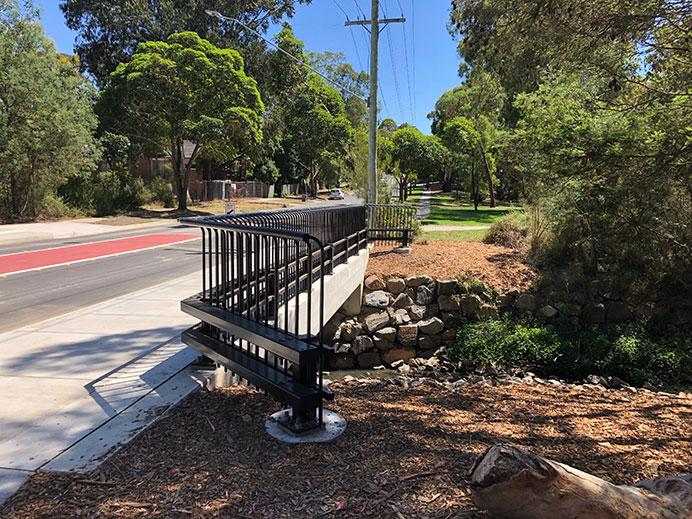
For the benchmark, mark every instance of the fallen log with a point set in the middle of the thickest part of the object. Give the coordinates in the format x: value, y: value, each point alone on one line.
x: 510, y: 483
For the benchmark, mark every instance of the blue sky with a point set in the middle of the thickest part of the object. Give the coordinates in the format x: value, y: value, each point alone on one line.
x: 321, y: 26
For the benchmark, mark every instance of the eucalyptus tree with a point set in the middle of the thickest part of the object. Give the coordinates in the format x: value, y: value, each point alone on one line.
x: 185, y: 89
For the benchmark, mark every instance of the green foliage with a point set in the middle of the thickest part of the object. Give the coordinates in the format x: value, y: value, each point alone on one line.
x: 631, y: 352
x: 115, y: 191
x: 184, y: 89
x: 46, y: 118
x: 108, y: 35
x: 509, y: 231
x: 160, y: 191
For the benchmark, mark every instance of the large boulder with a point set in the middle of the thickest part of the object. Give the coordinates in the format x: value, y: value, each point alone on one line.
x: 400, y: 317
x: 416, y: 312
x: 416, y: 281
x: 408, y: 334
x: 425, y: 294
x: 361, y: 344
x: 376, y: 321
x: 428, y: 342
x: 447, y: 287
x: 396, y: 285
x: 487, y: 312
x: 402, y: 301
x: 369, y: 359
x: 349, y: 330
x: 377, y: 299
x: 386, y: 334
x: 374, y: 283
x: 470, y: 303
x: 448, y: 303
x: 526, y: 302
x: 398, y: 354
x: 341, y: 362
x: 548, y: 311
x: 431, y: 326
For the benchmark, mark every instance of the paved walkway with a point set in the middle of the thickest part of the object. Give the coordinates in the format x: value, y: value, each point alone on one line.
x: 40, y: 231
x: 455, y: 227
x: 424, y: 205
x: 74, y: 387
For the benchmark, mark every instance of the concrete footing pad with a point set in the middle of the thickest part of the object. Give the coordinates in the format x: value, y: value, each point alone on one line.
x: 333, y: 426
x: 403, y: 250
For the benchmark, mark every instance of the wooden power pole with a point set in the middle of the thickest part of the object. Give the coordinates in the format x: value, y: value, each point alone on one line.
x: 373, y: 26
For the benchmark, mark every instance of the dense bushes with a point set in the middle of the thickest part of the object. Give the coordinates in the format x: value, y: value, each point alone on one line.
x: 509, y: 231
x: 630, y: 351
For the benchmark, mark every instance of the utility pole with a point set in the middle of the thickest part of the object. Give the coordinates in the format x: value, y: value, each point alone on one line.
x: 374, y: 29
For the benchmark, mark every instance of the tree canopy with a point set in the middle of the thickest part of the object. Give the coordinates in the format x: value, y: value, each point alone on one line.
x: 109, y: 33
x: 185, y: 89
x: 46, y: 117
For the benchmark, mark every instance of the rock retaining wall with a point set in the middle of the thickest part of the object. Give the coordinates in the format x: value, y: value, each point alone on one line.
x: 404, y: 318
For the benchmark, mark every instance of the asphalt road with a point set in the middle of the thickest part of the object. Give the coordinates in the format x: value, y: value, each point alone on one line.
x: 29, y: 297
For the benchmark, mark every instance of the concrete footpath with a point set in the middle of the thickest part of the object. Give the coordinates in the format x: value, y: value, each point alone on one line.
x: 74, y: 387
x: 11, y: 234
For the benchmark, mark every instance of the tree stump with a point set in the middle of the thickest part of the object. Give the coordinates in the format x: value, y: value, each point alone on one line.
x: 512, y: 484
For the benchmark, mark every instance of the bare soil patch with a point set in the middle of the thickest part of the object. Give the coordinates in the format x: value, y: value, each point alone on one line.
x: 405, y: 453
x: 496, y: 266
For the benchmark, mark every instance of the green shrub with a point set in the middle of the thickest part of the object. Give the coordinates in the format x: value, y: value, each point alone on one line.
x: 117, y: 191
x: 503, y: 343
x: 160, y: 191
x: 54, y: 207
x: 631, y: 351
x: 509, y: 231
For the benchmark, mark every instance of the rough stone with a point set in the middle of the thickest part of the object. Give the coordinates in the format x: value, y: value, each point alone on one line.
x: 617, y: 312
x: 374, y: 283
x: 369, y: 359
x: 526, y: 302
x: 342, y: 347
x: 594, y: 313
x: 487, y: 312
x: 506, y: 300
x: 396, y: 285
x: 377, y: 299
x: 386, y: 334
x: 447, y: 287
x: 424, y: 295
x: 383, y: 345
x: 431, y: 326
x: 448, y: 304
x: 597, y: 380
x: 402, y: 301
x: 401, y: 317
x: 428, y: 342
x: 362, y: 343
x: 349, y: 330
x: 470, y: 304
x: 548, y: 311
x: 374, y: 322
x: 416, y: 281
x: 408, y: 334
x: 332, y: 326
x: 397, y: 354
x: 448, y: 336
x: 341, y: 361
x: 431, y: 311
x: 416, y: 313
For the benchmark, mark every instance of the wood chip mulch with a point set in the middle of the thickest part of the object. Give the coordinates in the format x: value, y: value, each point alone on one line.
x: 499, y: 267
x: 405, y: 453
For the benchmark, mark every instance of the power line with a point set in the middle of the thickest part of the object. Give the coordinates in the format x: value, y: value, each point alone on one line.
x: 341, y: 8
x: 413, y: 50
x: 355, y: 45
x: 359, y: 9
x: 297, y: 60
x: 396, y: 77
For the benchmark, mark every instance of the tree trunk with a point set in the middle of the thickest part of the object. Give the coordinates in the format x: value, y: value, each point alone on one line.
x: 512, y: 484
x: 488, y: 174
x: 474, y: 185
x: 402, y: 191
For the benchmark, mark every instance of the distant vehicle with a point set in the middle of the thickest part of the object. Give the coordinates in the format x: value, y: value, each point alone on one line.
x: 336, y: 194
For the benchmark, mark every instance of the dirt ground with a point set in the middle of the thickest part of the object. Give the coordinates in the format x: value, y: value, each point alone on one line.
x: 497, y: 266
x: 405, y: 453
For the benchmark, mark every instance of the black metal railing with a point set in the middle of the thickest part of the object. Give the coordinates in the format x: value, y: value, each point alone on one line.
x: 262, y: 301
x: 391, y: 223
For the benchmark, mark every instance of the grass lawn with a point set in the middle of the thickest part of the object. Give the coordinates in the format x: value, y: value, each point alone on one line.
x: 475, y: 235
x: 446, y: 210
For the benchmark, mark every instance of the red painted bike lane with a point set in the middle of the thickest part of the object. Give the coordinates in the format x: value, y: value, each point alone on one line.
x: 22, y: 261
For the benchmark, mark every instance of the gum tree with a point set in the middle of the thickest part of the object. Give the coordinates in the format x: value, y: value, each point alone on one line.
x: 185, y: 89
